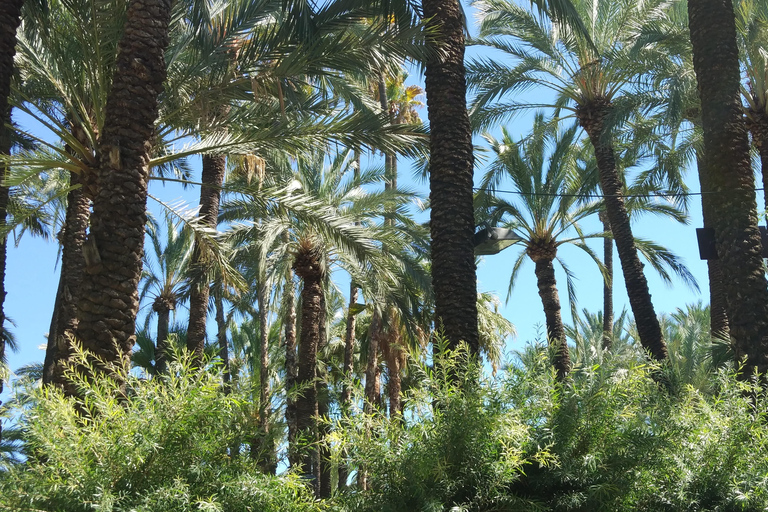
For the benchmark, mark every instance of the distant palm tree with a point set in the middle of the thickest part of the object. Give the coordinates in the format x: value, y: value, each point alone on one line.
x: 544, y: 215
x: 589, y: 75
x: 165, y: 278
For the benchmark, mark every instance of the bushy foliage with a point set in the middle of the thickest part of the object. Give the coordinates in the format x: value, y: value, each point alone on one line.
x: 610, y: 438
x: 163, y: 445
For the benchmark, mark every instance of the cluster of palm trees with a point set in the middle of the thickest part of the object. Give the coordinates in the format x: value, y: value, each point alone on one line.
x: 282, y: 100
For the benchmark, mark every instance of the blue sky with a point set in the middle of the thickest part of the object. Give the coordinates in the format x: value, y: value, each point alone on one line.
x: 32, y: 276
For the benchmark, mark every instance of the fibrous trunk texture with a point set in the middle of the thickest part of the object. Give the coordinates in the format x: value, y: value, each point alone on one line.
x: 308, y: 266
x: 592, y: 118
x: 718, y: 320
x: 64, y: 321
x: 163, y: 307
x: 110, y: 299
x: 728, y: 172
x: 545, y: 278
x: 214, y: 168
x: 607, y: 284
x: 452, y: 222
x: 10, y: 18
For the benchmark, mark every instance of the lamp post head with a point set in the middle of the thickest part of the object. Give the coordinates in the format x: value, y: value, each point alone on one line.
x: 494, y: 240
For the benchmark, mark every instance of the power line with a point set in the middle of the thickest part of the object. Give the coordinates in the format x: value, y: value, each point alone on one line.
x: 601, y: 196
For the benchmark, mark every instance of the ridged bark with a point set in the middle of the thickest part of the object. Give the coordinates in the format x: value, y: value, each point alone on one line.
x: 64, y: 322
x: 10, y: 18
x: 545, y: 279
x: 607, y: 284
x: 308, y: 266
x: 728, y: 171
x: 110, y: 299
x: 163, y: 307
x: 452, y: 223
x: 718, y: 320
x: 214, y: 168
x: 592, y: 118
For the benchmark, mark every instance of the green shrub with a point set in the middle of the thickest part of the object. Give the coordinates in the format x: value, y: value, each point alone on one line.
x: 161, y: 446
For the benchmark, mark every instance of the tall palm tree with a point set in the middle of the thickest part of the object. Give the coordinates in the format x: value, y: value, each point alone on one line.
x: 590, y: 77
x: 109, y: 304
x: 728, y: 171
x: 544, y: 216
x: 451, y: 165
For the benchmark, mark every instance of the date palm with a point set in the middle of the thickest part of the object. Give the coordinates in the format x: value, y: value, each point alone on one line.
x: 589, y: 77
x: 728, y: 172
x: 544, y: 215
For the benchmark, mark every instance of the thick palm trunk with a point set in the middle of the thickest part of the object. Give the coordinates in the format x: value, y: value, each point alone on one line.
x: 308, y: 266
x: 607, y: 284
x: 728, y: 172
x: 592, y: 117
x: 10, y: 18
x: 214, y: 168
x: 291, y: 369
x: 718, y: 321
x: 545, y: 276
x: 110, y: 299
x: 452, y: 222
x: 64, y: 321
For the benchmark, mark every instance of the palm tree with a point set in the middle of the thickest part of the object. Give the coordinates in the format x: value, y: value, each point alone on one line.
x: 728, y: 172
x: 590, y: 77
x: 452, y: 222
x: 167, y: 286
x: 108, y: 306
x: 544, y: 214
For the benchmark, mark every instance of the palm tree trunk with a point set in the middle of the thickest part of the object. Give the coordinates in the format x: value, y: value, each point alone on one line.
x: 214, y: 168
x: 163, y: 310
x: 349, y: 354
x: 718, y: 323
x: 10, y: 18
x: 268, y: 460
x: 372, y: 366
x: 452, y: 222
x: 291, y: 369
x: 221, y: 337
x: 110, y: 299
x: 728, y: 172
x: 308, y: 267
x: 545, y: 276
x: 607, y: 284
x: 591, y: 117
x: 757, y: 122
x: 394, y: 386
x: 64, y: 321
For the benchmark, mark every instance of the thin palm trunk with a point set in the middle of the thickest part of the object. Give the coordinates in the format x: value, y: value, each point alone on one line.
x: 308, y: 266
x: 728, y: 173
x: 372, y: 366
x: 221, y: 337
x: 393, y: 357
x: 757, y: 121
x: 268, y: 459
x: 592, y: 118
x: 214, y: 168
x: 163, y: 308
x: 291, y: 369
x: 452, y: 222
x: 607, y: 284
x: 545, y: 276
x: 110, y: 300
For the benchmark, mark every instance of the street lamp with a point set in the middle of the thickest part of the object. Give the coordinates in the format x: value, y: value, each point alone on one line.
x: 706, y: 239
x: 494, y: 240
